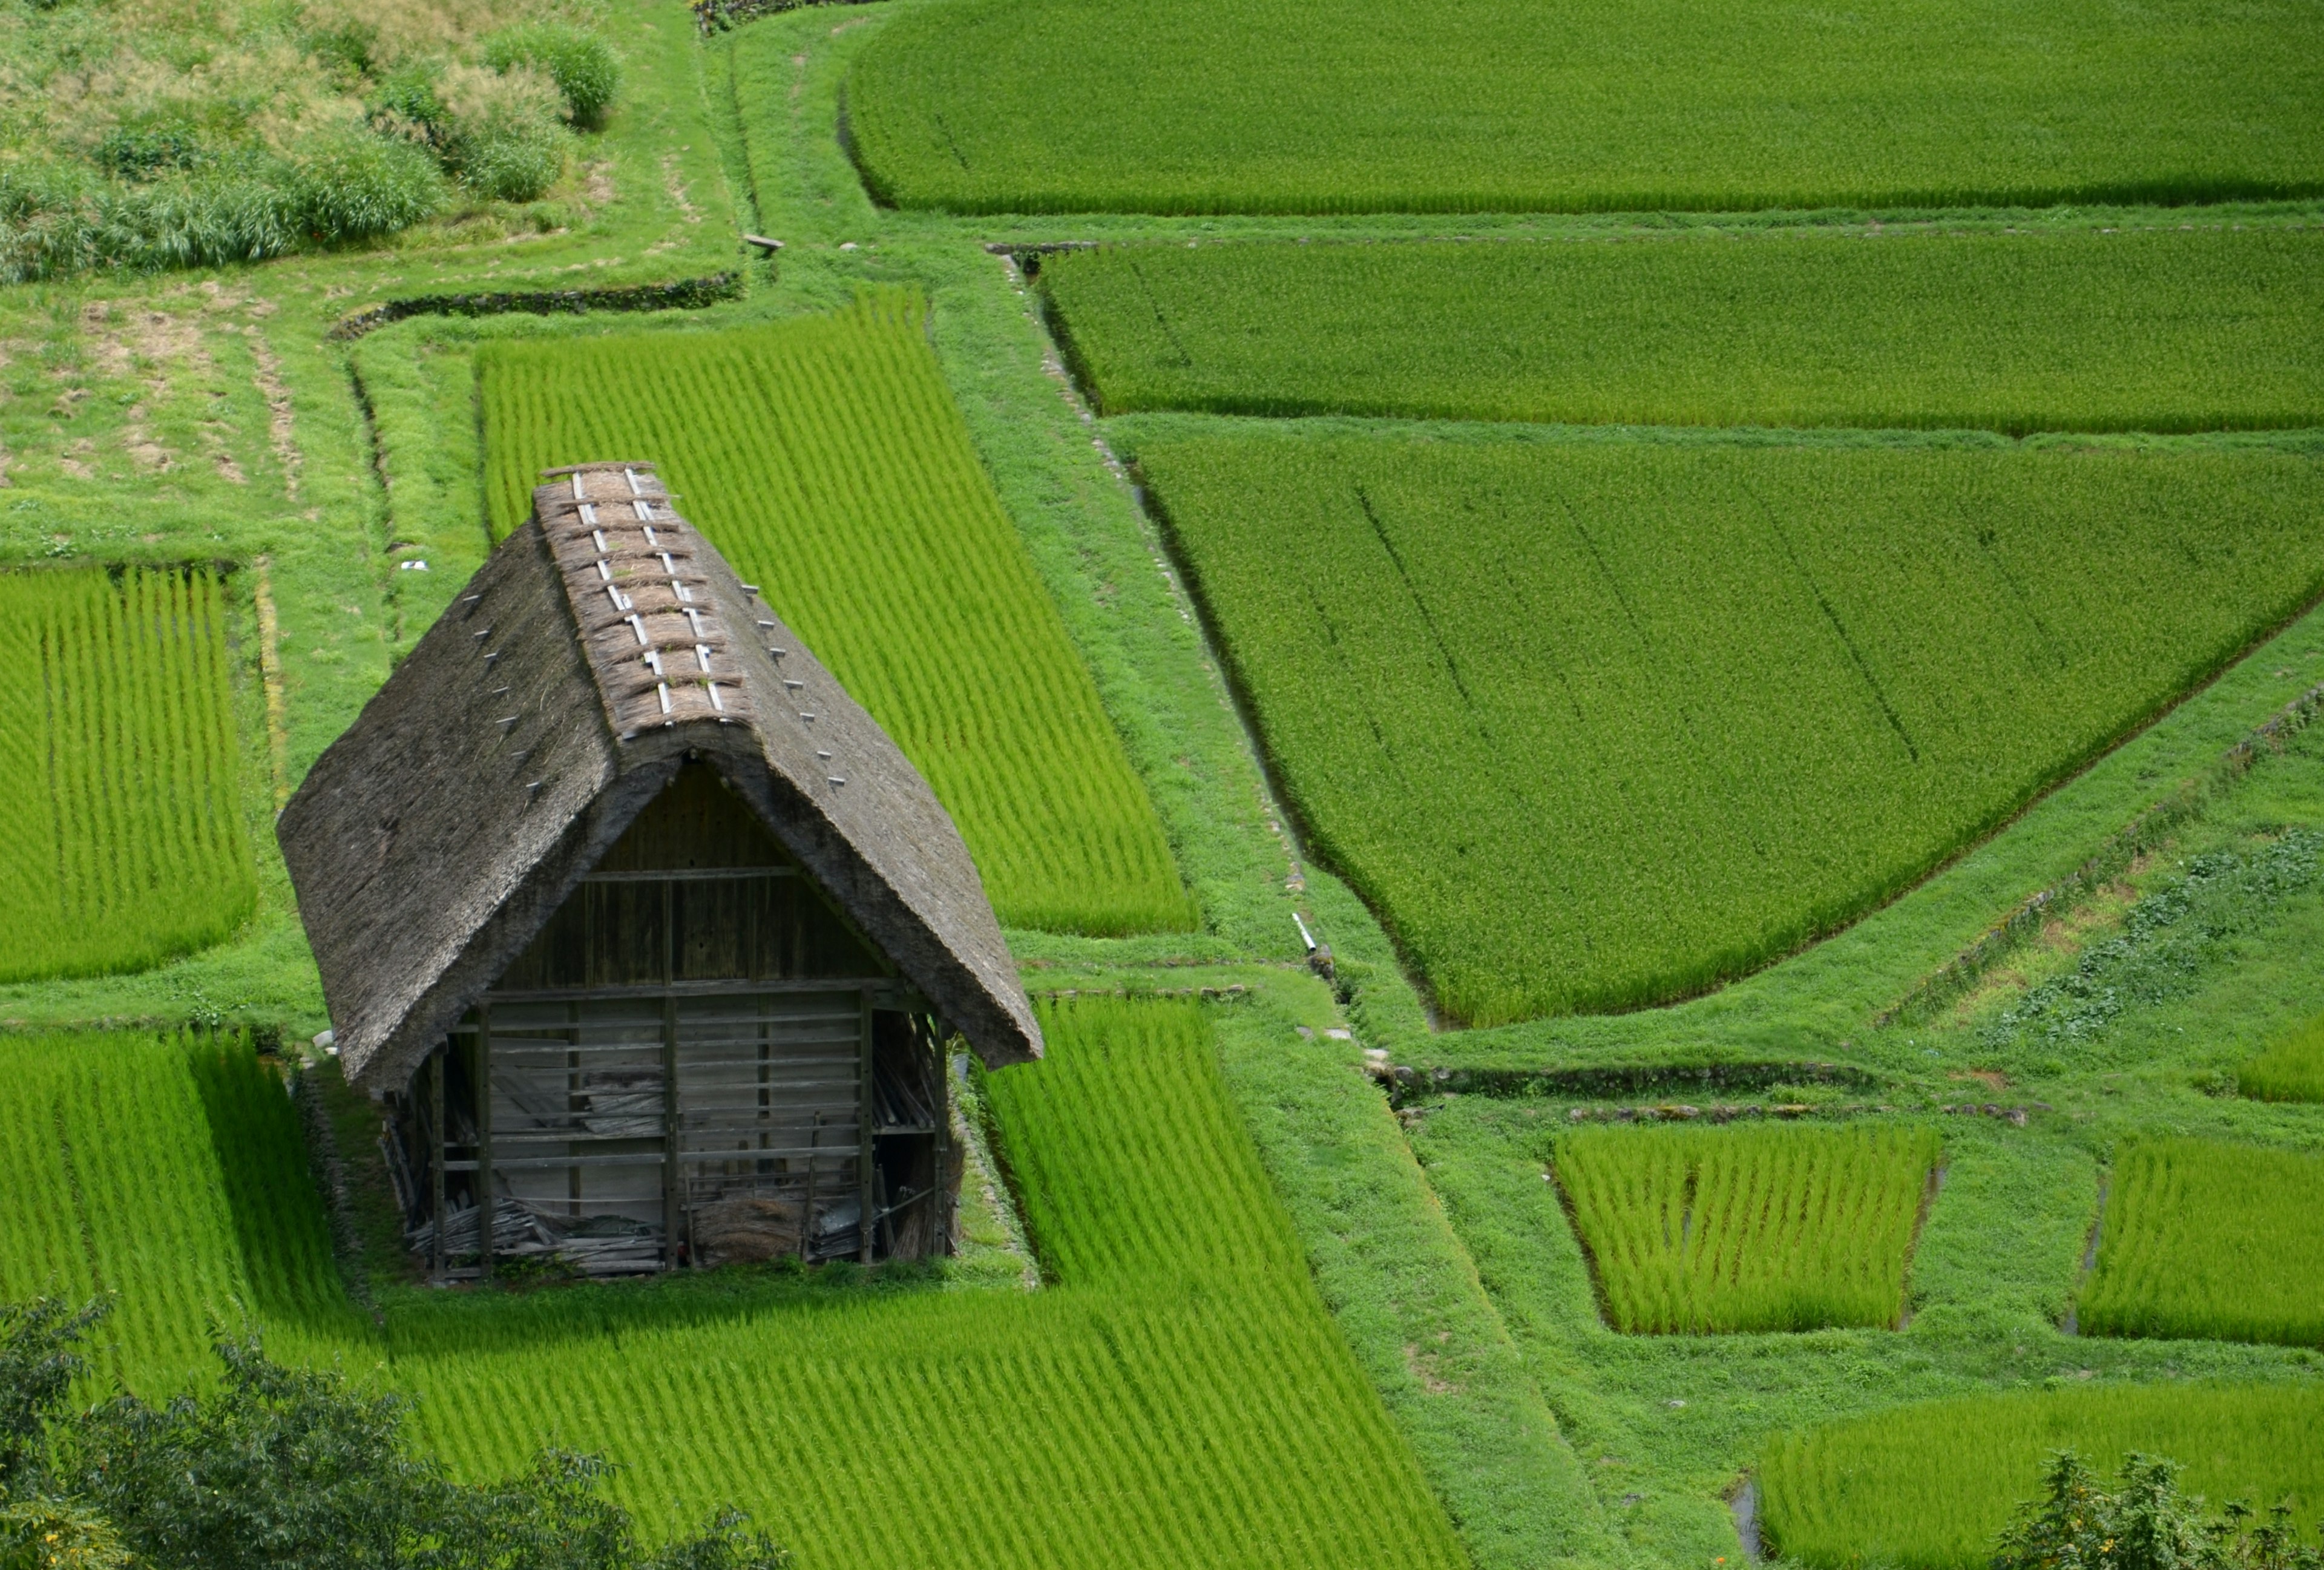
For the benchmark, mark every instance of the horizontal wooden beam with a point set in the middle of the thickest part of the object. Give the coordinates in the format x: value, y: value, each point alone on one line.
x: 687, y: 874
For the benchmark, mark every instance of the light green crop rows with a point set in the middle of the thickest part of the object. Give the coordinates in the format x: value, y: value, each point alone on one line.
x: 2290, y: 1070
x: 2012, y: 332
x: 122, y: 842
x: 1176, y: 1393
x: 167, y: 1172
x: 824, y: 458
x: 1780, y: 1228
x: 1506, y: 106
x: 1929, y: 1487
x: 1596, y: 724
x: 2200, y: 1238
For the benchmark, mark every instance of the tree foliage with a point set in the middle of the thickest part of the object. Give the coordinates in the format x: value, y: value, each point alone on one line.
x: 277, y: 1468
x: 2144, y: 1522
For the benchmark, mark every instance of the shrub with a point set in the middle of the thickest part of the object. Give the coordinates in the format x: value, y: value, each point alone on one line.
x: 2144, y: 1523
x: 582, y: 64
x: 140, y: 152
x: 288, y: 1467
x: 357, y: 186
x: 501, y: 134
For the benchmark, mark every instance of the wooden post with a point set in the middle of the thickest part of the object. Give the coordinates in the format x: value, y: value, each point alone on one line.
x: 436, y: 1157
x: 866, y: 1121
x: 670, y: 1140
x: 942, y: 1247
x: 480, y: 1081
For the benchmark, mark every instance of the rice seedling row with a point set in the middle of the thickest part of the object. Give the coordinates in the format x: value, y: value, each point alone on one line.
x: 1215, y: 106
x: 1929, y: 1487
x: 1600, y: 724
x: 2001, y: 331
x: 124, y: 844
x: 824, y: 458
x: 2208, y: 1239
x: 1704, y: 1229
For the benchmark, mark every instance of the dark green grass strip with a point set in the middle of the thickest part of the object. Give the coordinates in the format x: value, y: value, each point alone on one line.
x: 1929, y: 1487
x: 1579, y: 719
x: 1494, y: 106
x: 2163, y: 331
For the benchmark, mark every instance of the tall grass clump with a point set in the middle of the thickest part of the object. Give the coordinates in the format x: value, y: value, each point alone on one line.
x: 825, y: 459
x: 344, y: 187
x: 2209, y: 1239
x: 1596, y: 724
x: 1931, y: 1487
x: 2292, y: 1068
x: 583, y: 65
x: 239, y: 133
x: 124, y: 844
x: 1738, y: 1229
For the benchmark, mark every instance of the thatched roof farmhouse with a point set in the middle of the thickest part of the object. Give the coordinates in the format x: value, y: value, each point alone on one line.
x: 638, y: 923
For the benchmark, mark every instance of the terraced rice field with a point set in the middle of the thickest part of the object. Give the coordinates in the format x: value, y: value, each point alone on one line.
x: 1929, y: 1487
x: 1176, y: 1393
x: 2207, y: 1239
x: 124, y: 844
x: 1456, y: 106
x: 168, y: 1171
x: 824, y: 458
x: 1734, y: 1229
x: 1919, y: 329
x: 2290, y: 1070
x: 1600, y: 724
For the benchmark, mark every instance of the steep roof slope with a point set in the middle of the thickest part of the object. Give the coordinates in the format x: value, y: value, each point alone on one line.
x: 598, y: 648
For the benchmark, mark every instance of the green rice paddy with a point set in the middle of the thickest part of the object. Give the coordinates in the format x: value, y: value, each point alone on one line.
x: 1909, y: 328
x: 1599, y: 724
x: 2205, y: 1239
x: 1476, y: 106
x: 1734, y: 1229
x: 1929, y: 1487
x: 123, y: 842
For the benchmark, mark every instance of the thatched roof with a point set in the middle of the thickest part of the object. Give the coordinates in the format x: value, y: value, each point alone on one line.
x: 596, y: 649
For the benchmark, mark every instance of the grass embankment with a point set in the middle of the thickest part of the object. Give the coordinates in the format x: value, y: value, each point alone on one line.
x: 825, y: 459
x: 1987, y: 330
x: 1218, y: 105
x: 1701, y: 702
x: 1707, y: 1230
x: 1139, y: 1410
x: 1930, y: 1487
x: 122, y: 844
x: 2209, y: 1239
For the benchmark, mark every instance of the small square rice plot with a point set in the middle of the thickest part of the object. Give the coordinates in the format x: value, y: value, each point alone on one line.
x: 1696, y: 1230
x: 2202, y: 1239
x: 124, y: 844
